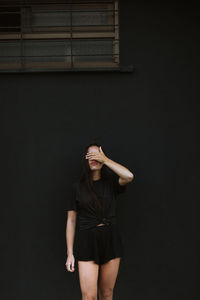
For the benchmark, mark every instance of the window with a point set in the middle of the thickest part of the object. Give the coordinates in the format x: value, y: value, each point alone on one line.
x: 59, y: 35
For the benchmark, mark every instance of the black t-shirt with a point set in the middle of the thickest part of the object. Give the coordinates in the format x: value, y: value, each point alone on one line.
x: 82, y: 201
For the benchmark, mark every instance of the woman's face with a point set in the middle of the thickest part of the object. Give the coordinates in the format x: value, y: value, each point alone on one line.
x: 94, y: 164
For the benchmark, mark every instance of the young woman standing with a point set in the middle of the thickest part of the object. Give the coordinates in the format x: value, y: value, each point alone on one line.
x: 100, y: 247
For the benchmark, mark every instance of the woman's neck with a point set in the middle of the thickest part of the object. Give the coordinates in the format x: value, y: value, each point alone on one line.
x: 96, y: 175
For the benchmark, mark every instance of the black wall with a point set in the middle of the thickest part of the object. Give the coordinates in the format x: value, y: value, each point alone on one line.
x: 147, y: 120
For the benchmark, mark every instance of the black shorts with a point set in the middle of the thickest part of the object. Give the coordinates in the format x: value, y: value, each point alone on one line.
x: 100, y: 244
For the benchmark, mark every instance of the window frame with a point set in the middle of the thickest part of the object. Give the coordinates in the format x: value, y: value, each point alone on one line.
x: 34, y: 33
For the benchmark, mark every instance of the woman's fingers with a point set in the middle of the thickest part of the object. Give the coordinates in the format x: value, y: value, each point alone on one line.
x: 70, y: 266
x: 92, y: 155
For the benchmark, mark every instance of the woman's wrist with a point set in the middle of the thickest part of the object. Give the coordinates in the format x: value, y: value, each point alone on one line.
x: 106, y: 160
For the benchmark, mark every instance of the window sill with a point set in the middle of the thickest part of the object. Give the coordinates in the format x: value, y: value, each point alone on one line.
x: 120, y: 69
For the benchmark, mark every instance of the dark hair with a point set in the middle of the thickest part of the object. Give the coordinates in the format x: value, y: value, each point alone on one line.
x: 86, y: 177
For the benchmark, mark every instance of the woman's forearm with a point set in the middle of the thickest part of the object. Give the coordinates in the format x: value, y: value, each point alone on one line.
x: 119, y: 169
x: 70, y: 235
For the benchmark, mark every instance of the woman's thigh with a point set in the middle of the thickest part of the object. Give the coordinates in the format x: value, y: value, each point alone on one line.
x: 88, y: 276
x: 108, y: 275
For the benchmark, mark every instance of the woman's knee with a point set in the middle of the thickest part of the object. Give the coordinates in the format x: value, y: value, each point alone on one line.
x: 105, y: 293
x: 89, y: 292
x: 88, y: 296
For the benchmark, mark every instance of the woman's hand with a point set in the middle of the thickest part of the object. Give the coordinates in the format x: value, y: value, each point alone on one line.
x: 70, y: 263
x: 99, y: 156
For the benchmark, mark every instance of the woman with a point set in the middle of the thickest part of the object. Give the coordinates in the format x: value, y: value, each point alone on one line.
x: 99, y: 242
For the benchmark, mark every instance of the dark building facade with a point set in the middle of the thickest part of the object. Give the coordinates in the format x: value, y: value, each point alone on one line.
x: 147, y: 119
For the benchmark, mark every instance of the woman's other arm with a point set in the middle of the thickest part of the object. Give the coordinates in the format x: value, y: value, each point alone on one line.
x: 70, y: 236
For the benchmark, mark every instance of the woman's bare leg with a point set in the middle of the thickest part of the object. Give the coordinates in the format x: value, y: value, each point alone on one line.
x: 107, y: 278
x: 88, y: 276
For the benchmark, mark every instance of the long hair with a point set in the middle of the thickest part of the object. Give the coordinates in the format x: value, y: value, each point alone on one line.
x: 86, y: 177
